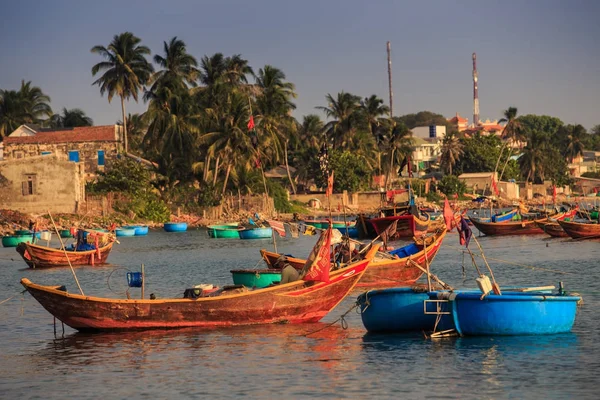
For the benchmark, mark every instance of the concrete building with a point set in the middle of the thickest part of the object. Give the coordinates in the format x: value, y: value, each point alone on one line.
x: 93, y: 145
x: 38, y: 184
x: 426, y: 155
x: 429, y: 132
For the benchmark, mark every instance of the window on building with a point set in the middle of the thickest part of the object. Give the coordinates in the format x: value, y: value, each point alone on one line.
x: 28, y: 186
x: 432, y: 131
x: 74, y: 155
x: 46, y: 153
x: 100, y: 158
x: 17, y: 154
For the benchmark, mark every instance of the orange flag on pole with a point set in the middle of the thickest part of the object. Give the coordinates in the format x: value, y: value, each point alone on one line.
x: 318, y: 263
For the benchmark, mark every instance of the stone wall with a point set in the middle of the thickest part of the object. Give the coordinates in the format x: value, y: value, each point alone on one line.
x: 353, y: 201
x: 40, y: 184
x: 88, y: 152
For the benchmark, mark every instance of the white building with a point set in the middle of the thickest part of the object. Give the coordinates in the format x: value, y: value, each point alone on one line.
x: 429, y: 132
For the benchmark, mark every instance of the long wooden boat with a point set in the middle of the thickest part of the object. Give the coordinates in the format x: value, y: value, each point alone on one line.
x: 407, y: 226
x: 507, y: 228
x: 294, y: 302
x: 552, y: 228
x: 400, y: 267
x: 37, y: 256
x: 502, y: 217
x: 510, y: 314
x: 579, y: 230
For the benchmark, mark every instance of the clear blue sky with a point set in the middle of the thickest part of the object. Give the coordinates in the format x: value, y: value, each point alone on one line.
x: 542, y: 56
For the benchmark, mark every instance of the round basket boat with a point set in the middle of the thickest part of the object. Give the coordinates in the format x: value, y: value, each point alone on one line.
x: 121, y: 232
x: 256, y: 233
x: 65, y: 233
x: 224, y: 231
x: 140, y: 230
x: 14, y: 240
x: 175, y: 226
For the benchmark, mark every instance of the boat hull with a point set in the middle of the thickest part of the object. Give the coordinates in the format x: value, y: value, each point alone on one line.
x: 45, y: 257
x: 256, y: 233
x: 175, y: 226
x: 553, y: 229
x: 125, y: 232
x: 578, y: 230
x: 512, y: 314
x: 140, y: 230
x: 294, y: 302
x: 399, y: 310
x: 507, y: 228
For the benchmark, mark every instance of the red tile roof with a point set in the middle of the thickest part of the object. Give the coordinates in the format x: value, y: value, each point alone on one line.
x: 105, y: 133
x: 457, y: 119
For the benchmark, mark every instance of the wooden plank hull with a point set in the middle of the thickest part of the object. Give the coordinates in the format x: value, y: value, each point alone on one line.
x: 407, y: 226
x: 294, y: 302
x: 552, y: 228
x: 507, y: 228
x: 45, y: 257
x: 579, y: 230
x: 382, y: 272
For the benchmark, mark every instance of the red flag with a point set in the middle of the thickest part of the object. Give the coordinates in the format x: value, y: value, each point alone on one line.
x: 329, y: 185
x: 494, y: 186
x: 277, y: 226
x: 448, y: 215
x: 318, y: 263
x: 251, y: 123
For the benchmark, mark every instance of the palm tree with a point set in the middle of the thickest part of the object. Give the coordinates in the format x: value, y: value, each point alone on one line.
x: 137, y: 126
x: 512, y: 133
x: 452, y: 149
x: 178, y: 67
x: 70, y: 119
x: 532, y: 160
x: 575, y: 146
x: 28, y: 105
x: 344, y: 110
x: 373, y: 108
x: 310, y: 133
x: 274, y: 105
x: 398, y: 145
x: 126, y: 70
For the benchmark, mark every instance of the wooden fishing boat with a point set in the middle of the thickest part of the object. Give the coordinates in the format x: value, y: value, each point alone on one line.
x: 579, y: 230
x: 524, y: 227
x: 407, y: 226
x: 552, y: 228
x: 294, y: 302
x: 502, y: 217
x: 510, y: 314
x: 255, y: 233
x: 175, y: 226
x: 228, y: 231
x: 37, y: 256
x: 400, y: 267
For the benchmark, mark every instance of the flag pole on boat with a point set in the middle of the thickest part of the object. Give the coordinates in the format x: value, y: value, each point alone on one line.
x: 65, y: 251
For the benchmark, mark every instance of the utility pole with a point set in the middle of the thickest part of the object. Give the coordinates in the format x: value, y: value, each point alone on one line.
x: 475, y: 93
x: 389, y: 58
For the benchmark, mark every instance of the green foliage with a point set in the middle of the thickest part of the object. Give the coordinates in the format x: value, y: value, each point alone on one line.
x: 434, y: 197
x: 208, y: 196
x: 280, y: 197
x: 146, y: 206
x: 350, y: 172
x: 480, y: 154
x: 590, y: 174
x: 450, y: 185
x: 122, y: 175
x: 422, y: 118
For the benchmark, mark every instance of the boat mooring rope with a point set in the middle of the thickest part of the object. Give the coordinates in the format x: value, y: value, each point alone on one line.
x: 342, y: 318
x: 513, y: 263
x: 13, y: 296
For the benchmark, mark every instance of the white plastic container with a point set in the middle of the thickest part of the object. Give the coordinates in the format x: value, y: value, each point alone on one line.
x: 484, y: 284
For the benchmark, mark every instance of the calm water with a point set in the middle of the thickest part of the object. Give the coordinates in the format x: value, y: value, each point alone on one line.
x: 279, y: 361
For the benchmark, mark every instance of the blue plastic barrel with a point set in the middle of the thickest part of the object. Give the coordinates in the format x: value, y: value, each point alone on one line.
x: 134, y: 279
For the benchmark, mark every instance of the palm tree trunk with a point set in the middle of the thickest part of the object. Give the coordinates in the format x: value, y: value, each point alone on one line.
x: 287, y: 167
x: 503, y: 168
x: 226, y: 179
x: 499, y: 157
x: 216, y: 170
x: 206, y: 168
x: 125, y: 144
x: 262, y: 171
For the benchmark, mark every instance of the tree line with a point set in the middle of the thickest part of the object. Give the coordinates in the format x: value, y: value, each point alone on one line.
x: 214, y: 125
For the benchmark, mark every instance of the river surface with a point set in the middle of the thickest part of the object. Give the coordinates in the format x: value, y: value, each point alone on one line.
x: 287, y: 361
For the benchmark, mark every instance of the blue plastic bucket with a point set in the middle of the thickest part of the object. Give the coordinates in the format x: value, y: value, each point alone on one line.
x: 134, y: 279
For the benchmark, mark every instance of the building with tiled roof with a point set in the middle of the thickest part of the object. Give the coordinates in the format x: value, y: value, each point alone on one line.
x: 459, y: 122
x: 90, y: 145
